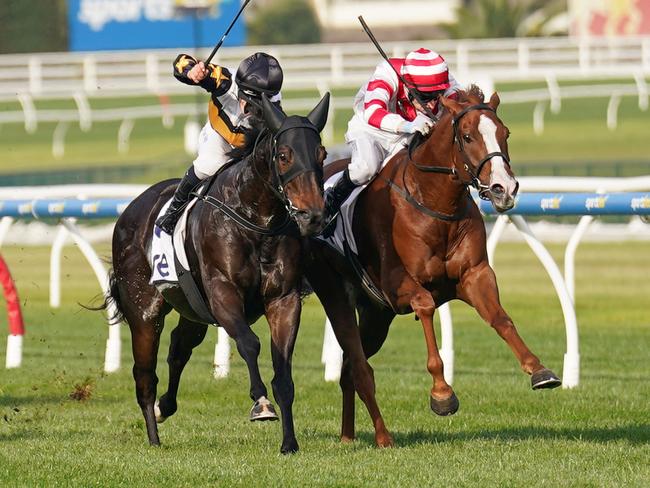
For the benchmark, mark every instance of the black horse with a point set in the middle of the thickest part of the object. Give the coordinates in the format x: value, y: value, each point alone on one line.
x: 245, y: 253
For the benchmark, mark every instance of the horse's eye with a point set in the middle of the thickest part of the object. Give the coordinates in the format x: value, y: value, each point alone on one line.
x: 282, y: 157
x: 467, y: 138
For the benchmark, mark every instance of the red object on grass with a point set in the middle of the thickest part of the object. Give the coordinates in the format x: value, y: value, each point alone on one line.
x: 16, y: 324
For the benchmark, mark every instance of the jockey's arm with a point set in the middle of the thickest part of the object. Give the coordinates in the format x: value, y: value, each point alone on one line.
x: 212, y: 78
x: 380, y: 90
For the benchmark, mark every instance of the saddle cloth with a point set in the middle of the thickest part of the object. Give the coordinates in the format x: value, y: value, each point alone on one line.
x: 163, y: 264
x: 343, y: 229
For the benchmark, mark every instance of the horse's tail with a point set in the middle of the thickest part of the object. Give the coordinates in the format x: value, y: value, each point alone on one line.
x: 111, y: 300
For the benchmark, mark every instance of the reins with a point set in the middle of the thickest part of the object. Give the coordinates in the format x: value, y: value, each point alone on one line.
x: 276, y: 186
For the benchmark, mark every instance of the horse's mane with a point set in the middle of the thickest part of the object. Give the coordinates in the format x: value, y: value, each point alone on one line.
x: 472, y: 93
x: 251, y: 137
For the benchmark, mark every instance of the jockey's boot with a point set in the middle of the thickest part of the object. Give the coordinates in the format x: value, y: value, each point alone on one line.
x: 167, y: 222
x: 334, y: 198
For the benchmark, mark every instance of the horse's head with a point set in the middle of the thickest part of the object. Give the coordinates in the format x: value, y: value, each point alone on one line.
x: 482, y: 142
x: 297, y: 162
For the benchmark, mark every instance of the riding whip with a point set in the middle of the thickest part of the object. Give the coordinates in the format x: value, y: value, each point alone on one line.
x: 413, y: 93
x: 225, y: 34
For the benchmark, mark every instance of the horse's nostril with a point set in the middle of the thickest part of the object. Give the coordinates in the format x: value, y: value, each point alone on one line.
x: 497, y: 189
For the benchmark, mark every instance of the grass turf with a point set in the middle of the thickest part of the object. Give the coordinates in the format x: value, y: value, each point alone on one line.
x: 503, y: 435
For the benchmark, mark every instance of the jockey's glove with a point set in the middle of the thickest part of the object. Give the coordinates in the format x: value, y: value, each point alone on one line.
x: 421, y: 123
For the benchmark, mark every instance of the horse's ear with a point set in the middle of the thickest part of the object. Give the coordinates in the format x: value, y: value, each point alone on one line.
x: 273, y: 116
x: 494, y: 101
x: 318, y: 116
x: 452, y: 106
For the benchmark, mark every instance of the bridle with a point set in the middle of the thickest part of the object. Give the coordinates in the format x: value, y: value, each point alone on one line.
x: 278, y: 183
x: 474, y: 174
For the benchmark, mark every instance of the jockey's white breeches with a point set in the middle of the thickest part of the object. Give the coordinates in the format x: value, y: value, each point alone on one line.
x: 212, y: 154
x: 370, y: 147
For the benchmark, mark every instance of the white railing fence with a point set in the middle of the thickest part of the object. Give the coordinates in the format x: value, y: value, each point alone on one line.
x: 335, y: 65
x: 26, y: 79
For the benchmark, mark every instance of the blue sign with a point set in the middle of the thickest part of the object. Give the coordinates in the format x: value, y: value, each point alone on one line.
x: 139, y: 24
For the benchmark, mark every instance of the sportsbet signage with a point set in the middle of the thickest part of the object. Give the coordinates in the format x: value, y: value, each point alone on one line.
x: 138, y: 24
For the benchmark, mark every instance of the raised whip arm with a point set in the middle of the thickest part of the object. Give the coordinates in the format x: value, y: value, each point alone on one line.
x: 225, y: 34
x: 413, y: 93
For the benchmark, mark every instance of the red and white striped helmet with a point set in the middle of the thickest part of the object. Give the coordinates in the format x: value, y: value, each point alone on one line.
x: 425, y: 70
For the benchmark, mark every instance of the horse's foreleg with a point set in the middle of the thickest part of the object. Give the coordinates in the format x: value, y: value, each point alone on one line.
x: 184, y: 338
x: 443, y: 400
x: 326, y: 284
x: 145, y: 338
x: 479, y: 289
x: 283, y: 316
x: 228, y: 309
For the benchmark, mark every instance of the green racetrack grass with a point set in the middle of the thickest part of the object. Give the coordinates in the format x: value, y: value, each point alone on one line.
x: 504, y: 434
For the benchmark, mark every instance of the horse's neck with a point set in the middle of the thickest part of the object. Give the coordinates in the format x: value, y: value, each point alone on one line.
x: 440, y: 191
x: 250, y: 193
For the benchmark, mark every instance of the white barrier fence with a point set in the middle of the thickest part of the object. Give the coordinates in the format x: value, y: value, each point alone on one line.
x: 124, y: 73
x: 331, y: 352
x: 81, y: 76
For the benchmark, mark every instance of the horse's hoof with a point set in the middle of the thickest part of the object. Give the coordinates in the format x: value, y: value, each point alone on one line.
x: 544, y: 378
x: 263, y: 410
x: 289, y: 448
x: 449, y: 406
x: 160, y: 418
x: 347, y: 439
x: 386, y: 441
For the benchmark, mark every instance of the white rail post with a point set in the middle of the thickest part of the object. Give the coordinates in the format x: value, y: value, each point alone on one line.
x: 90, y: 74
x: 612, y: 110
x: 55, y: 266
x: 336, y: 66
x: 5, y: 223
x: 113, y: 344
x: 571, y: 369
x: 29, y: 111
x: 151, y: 67
x: 85, y: 115
x: 554, y: 92
x: 642, y: 88
x: 58, y: 139
x: 497, y: 230
x: 221, y: 354
x: 124, y: 134
x: 35, y: 69
x: 332, y: 356
x: 523, y: 58
x: 538, y: 117
x: 328, y: 131
x: 447, y: 342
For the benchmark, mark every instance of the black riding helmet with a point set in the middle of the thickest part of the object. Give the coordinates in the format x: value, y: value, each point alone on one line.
x: 257, y: 74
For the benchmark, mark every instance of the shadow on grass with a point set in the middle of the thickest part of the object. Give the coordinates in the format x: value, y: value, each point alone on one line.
x: 634, y: 434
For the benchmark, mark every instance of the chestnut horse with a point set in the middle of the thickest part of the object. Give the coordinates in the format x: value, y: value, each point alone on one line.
x: 245, y: 249
x: 421, y: 241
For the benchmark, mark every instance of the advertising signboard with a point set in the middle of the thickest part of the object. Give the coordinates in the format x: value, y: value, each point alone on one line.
x: 139, y: 24
x: 609, y: 18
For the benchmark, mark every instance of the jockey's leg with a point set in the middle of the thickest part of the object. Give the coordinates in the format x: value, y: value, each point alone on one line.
x: 212, y: 155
